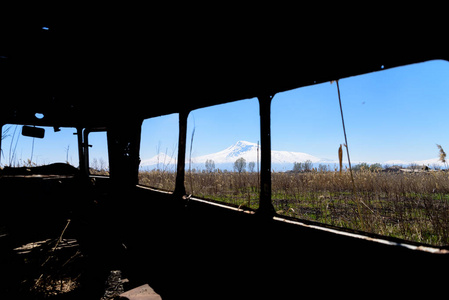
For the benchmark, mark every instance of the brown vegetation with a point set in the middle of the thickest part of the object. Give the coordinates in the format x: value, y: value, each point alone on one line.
x: 413, y: 206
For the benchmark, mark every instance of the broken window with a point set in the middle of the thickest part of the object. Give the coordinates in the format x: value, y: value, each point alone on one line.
x: 98, y: 153
x: 159, y: 152
x: 396, y: 127
x: 222, y: 153
x: 59, y: 144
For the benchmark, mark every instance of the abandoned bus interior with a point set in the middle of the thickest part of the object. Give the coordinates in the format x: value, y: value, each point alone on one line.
x: 66, y: 231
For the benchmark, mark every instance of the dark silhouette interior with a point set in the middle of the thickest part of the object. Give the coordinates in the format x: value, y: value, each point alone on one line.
x: 87, y: 77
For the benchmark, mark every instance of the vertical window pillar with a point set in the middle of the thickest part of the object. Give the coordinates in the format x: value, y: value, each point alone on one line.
x: 265, y: 205
x: 81, y: 156
x: 180, y: 189
x: 86, y: 149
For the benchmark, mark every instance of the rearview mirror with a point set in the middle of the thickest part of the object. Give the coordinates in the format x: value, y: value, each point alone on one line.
x: 34, y: 132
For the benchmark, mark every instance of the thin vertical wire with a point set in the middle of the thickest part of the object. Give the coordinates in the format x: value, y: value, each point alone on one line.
x: 349, y: 161
x: 344, y: 130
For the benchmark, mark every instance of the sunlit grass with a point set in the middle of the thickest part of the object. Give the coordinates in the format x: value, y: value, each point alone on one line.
x: 412, y: 206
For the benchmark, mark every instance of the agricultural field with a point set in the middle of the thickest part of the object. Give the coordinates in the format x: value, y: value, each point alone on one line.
x: 413, y: 206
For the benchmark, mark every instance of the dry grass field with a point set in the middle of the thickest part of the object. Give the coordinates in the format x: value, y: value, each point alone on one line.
x: 412, y: 206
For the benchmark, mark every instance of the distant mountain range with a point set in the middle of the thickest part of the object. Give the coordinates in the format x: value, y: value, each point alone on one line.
x: 280, y: 160
x: 225, y: 159
x: 249, y: 152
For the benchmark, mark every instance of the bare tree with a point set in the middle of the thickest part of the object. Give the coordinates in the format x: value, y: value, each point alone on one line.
x: 414, y: 167
x: 240, y: 165
x: 210, y: 166
x: 297, y: 167
x: 251, y: 166
x: 323, y: 168
x: 308, y: 165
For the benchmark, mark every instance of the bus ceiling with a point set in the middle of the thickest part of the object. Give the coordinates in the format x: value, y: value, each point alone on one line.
x: 74, y: 79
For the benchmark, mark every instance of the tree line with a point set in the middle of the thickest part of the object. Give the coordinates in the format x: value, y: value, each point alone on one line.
x: 239, y: 165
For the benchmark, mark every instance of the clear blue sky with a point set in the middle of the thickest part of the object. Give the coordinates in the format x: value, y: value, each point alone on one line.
x: 16, y: 149
x: 398, y: 114
x: 392, y: 114
x: 58, y: 146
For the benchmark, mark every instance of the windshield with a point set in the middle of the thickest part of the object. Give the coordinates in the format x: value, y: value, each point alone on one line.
x: 59, y: 145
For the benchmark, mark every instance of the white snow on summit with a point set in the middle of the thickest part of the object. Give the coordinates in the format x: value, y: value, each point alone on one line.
x: 280, y: 160
x: 244, y: 149
x: 248, y: 151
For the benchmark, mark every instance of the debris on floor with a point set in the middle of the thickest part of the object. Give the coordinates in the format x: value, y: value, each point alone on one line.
x: 114, y: 289
x: 114, y: 285
x: 143, y: 292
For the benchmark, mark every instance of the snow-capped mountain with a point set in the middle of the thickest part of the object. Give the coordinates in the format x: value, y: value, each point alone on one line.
x: 225, y: 159
x: 243, y: 149
x: 160, y: 161
x: 427, y: 162
x: 249, y: 152
x: 280, y: 160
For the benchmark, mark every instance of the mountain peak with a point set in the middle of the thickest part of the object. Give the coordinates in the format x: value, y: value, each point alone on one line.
x: 245, y: 143
x: 240, y: 148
